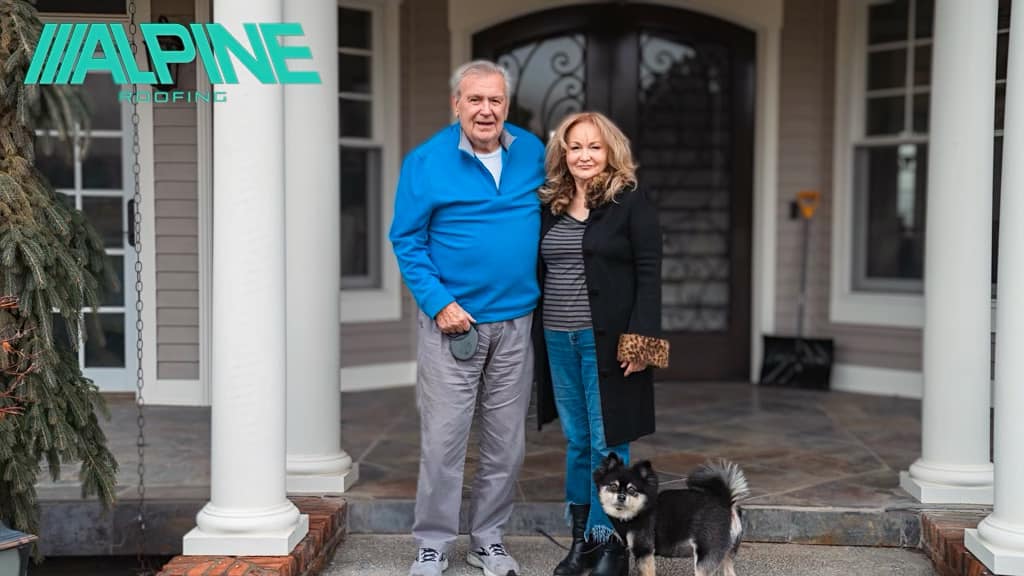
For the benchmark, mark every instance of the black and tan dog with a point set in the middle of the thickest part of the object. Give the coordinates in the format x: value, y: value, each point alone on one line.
x: 704, y: 517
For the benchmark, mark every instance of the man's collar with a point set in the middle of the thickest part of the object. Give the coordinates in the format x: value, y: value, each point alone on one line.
x: 506, y: 139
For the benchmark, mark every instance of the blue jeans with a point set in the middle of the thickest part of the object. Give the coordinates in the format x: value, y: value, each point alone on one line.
x: 573, y: 361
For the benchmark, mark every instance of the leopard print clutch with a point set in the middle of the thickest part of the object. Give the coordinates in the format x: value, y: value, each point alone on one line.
x: 644, y: 349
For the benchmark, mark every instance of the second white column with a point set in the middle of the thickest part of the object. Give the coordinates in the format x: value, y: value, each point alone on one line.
x: 954, y: 465
x: 316, y: 462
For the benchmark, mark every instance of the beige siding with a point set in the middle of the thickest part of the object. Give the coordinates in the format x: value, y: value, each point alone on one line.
x: 424, y: 110
x: 177, y: 222
x: 806, y: 121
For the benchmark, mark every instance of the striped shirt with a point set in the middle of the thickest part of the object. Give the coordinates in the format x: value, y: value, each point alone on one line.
x: 565, y: 285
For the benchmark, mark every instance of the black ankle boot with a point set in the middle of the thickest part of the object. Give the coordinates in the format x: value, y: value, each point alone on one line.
x: 613, y: 559
x: 581, y: 553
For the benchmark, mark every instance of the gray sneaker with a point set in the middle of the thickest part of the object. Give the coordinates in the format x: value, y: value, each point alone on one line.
x: 494, y: 560
x: 429, y: 562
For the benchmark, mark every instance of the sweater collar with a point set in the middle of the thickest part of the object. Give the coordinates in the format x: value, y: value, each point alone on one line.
x: 506, y: 139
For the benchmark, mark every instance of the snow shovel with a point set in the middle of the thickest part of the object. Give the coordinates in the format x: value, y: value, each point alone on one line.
x: 799, y: 362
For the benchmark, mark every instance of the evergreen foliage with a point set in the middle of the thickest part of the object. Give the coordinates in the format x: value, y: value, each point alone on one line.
x: 52, y: 264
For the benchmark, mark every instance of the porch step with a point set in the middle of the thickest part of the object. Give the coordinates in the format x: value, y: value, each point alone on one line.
x: 390, y: 555
x: 113, y: 534
x: 778, y: 524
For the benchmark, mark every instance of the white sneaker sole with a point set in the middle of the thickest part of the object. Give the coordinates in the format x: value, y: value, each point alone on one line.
x: 475, y: 561
x: 444, y: 564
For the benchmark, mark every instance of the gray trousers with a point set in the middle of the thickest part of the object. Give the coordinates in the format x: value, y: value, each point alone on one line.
x: 501, y: 371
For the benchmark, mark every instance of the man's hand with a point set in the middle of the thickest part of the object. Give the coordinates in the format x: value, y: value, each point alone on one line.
x: 452, y: 319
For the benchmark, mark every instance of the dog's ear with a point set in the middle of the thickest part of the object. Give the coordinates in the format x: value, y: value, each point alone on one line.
x: 646, y: 472
x: 610, y: 462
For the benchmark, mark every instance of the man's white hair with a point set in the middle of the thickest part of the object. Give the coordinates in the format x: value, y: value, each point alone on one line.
x: 480, y: 67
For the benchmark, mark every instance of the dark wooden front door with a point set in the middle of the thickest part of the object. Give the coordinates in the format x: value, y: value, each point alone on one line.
x: 681, y: 85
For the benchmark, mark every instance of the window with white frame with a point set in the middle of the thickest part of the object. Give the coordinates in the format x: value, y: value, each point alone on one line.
x: 360, y: 146
x: 890, y: 144
x: 92, y: 176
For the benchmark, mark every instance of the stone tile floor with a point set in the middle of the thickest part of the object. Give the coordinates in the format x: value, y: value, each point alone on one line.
x: 798, y: 447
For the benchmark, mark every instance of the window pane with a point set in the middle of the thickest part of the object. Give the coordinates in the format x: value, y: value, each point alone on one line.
x: 890, y: 182
x: 885, y: 115
x: 353, y: 28
x: 923, y: 65
x: 552, y: 75
x: 113, y: 294
x: 104, y: 348
x: 354, y: 119
x: 888, y: 22
x: 104, y: 109
x: 887, y: 69
x: 101, y: 168
x: 924, y: 18
x: 1000, y: 105
x: 360, y: 192
x: 1002, y: 48
x: 105, y: 216
x: 354, y: 73
x: 922, y: 105
x: 54, y: 161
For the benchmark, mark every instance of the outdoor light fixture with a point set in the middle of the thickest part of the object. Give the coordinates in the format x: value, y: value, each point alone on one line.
x: 14, y: 551
x: 168, y: 44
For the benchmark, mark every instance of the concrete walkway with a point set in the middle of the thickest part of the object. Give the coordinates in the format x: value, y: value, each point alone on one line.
x: 390, y: 555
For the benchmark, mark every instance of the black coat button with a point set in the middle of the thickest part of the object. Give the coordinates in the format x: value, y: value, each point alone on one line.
x: 603, y: 373
x: 587, y: 252
x: 595, y: 291
x: 599, y: 331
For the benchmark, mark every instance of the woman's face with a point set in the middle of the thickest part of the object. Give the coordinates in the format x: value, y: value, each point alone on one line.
x: 587, y: 152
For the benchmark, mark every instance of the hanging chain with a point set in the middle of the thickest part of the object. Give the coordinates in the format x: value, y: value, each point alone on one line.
x: 140, y: 418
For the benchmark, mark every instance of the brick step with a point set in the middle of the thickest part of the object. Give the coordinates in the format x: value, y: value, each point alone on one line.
x: 327, y: 528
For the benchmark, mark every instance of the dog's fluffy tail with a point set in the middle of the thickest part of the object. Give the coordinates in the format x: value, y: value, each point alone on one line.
x: 723, y: 479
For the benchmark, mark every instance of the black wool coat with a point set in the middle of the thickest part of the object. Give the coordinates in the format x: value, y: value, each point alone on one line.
x: 622, y: 264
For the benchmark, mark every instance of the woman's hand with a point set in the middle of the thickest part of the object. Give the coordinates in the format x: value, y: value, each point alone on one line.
x: 633, y: 367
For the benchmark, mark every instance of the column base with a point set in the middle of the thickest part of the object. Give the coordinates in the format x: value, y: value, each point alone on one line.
x: 319, y: 484
x: 997, y: 559
x: 934, y: 493
x: 275, y: 543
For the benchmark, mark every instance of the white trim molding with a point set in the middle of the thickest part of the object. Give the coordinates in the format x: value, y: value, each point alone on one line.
x: 384, y: 303
x: 880, y: 381
x: 378, y: 376
x: 467, y: 17
x: 204, y: 195
x: 169, y: 392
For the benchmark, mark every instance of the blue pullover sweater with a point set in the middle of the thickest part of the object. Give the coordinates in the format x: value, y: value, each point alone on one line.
x: 458, y: 237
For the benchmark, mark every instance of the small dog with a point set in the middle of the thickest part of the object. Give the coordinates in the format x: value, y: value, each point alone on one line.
x: 704, y: 517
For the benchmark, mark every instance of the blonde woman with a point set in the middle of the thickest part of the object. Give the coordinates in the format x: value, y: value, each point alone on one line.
x: 598, y: 334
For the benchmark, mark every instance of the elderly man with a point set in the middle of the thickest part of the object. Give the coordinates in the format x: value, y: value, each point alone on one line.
x: 465, y: 233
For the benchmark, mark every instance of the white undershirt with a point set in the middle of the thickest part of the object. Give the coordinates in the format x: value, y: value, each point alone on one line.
x: 492, y: 160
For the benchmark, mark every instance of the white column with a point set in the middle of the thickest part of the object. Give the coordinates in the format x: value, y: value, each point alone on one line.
x: 248, y: 512
x: 999, y: 540
x: 316, y: 462
x: 954, y: 464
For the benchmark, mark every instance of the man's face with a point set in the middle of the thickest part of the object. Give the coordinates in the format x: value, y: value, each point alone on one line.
x: 481, y: 107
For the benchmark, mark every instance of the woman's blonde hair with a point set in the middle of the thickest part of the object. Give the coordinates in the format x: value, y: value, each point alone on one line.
x: 620, y: 173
